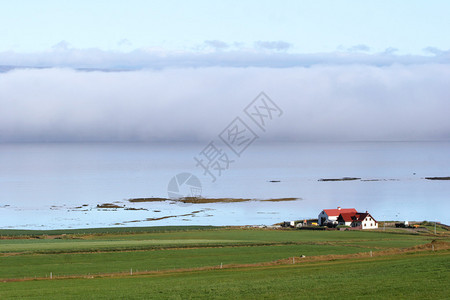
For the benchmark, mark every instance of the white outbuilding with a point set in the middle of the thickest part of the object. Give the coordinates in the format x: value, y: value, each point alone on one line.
x: 331, y: 215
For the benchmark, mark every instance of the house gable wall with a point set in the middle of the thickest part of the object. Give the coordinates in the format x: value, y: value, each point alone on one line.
x: 369, y: 223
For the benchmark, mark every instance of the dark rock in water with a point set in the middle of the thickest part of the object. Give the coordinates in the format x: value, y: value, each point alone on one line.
x: 373, y: 179
x: 274, y: 181
x: 438, y: 178
x: 340, y: 179
x: 148, y: 200
x: 108, y: 205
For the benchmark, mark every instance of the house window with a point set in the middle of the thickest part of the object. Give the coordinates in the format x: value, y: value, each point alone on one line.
x: 364, y: 224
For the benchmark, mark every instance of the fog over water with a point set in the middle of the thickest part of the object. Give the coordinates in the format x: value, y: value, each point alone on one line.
x: 320, y: 103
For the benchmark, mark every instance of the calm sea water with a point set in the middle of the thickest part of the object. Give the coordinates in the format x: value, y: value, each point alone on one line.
x: 43, y: 186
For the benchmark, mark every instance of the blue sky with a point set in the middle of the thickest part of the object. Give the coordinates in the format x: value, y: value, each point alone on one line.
x: 308, y: 26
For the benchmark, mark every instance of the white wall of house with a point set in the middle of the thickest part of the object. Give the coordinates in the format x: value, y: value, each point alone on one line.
x: 369, y: 223
x: 345, y: 223
x: 321, y: 216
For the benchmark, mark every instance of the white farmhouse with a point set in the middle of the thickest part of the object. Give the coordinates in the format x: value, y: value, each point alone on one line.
x: 357, y: 220
x: 331, y: 215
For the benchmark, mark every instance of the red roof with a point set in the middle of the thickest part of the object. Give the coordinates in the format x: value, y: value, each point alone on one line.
x: 337, y: 212
x: 354, y: 217
x: 361, y: 216
x: 348, y: 217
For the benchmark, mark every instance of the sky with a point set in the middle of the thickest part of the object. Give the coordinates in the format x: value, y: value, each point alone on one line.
x: 182, y: 70
x: 308, y: 26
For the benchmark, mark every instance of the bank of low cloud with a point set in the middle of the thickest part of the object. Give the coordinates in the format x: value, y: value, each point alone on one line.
x: 266, y: 54
x: 336, y: 102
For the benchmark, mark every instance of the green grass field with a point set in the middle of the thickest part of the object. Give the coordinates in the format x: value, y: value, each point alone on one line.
x: 165, y: 260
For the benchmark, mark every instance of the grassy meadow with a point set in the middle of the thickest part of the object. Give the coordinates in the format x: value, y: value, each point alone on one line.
x: 216, y: 262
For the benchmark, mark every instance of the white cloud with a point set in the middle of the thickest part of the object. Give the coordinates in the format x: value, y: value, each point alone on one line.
x: 62, y: 46
x: 339, y: 102
x: 433, y: 50
x: 273, y: 45
x: 65, y: 56
x: 359, y: 48
x: 390, y: 50
x: 219, y: 45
